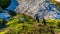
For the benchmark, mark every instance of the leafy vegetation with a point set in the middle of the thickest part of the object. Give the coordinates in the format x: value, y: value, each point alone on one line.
x: 2, y: 23
x: 23, y: 24
x: 4, y: 3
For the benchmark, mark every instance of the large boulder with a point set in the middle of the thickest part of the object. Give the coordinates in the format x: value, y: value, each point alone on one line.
x: 41, y: 7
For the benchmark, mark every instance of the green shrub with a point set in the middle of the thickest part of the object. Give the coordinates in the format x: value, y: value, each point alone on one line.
x: 58, y: 25
x: 29, y: 26
x: 4, y: 3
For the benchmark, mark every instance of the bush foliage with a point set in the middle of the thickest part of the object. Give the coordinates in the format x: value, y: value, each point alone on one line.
x: 22, y: 24
x: 4, y: 3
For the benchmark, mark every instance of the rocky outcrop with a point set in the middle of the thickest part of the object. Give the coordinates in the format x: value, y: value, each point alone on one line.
x: 41, y: 7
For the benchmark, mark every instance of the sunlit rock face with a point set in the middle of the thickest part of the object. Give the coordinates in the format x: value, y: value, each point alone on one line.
x: 56, y: 2
x: 41, y: 7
